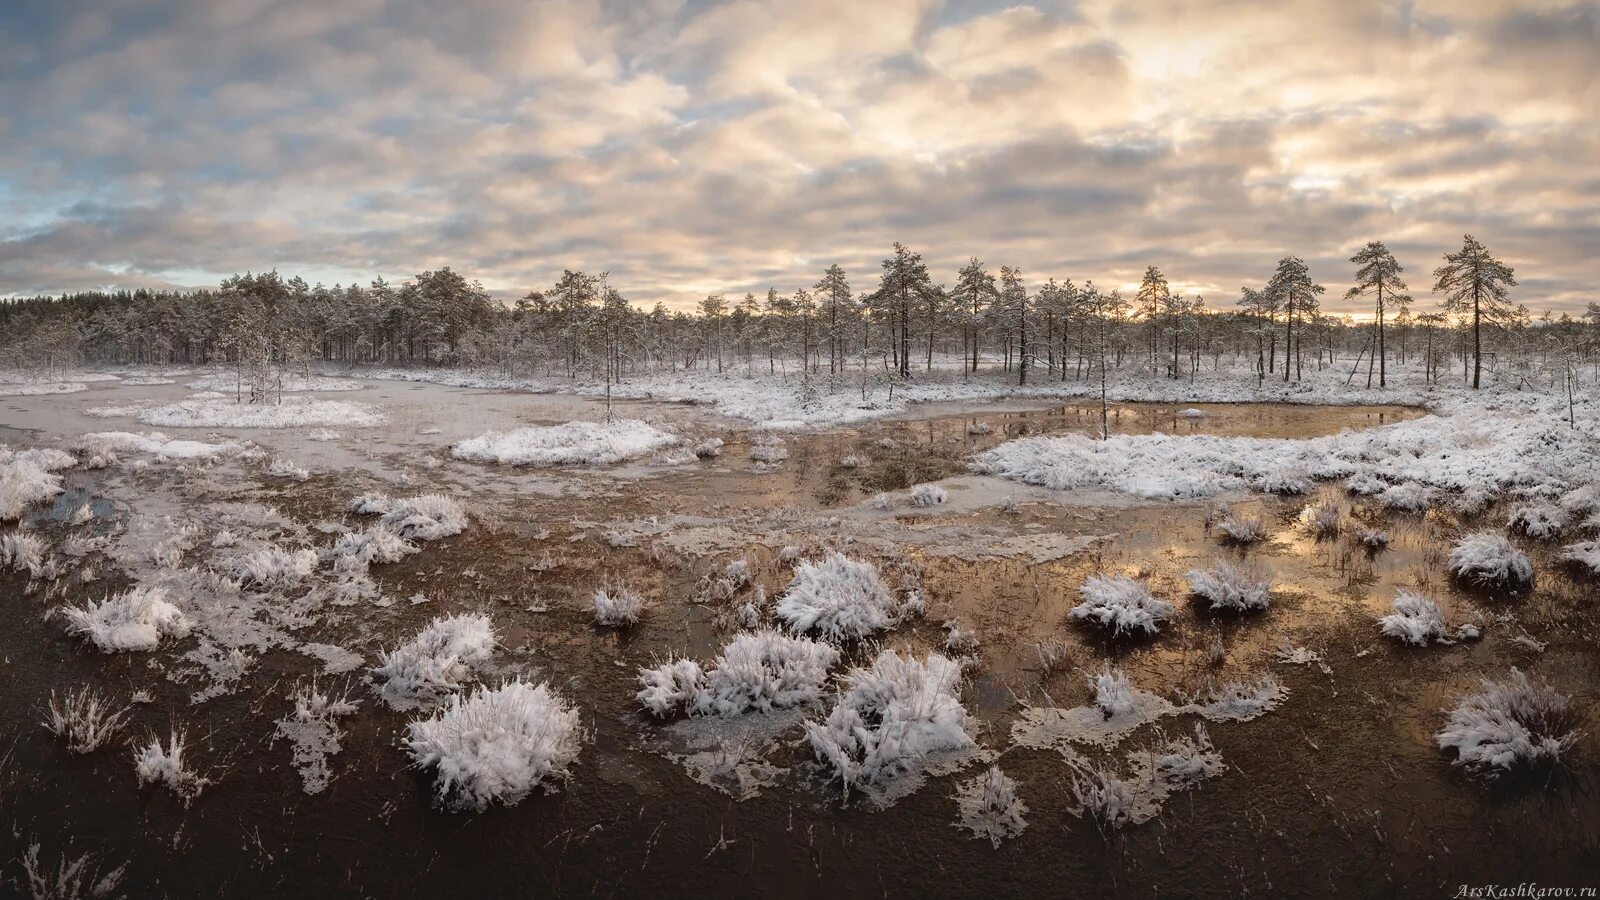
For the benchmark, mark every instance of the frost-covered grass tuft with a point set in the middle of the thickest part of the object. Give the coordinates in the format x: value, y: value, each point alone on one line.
x: 1286, y: 482
x: 496, y: 744
x: 370, y: 504
x: 1373, y: 538
x: 1121, y: 604
x: 574, y: 443
x: 1473, y: 499
x: 840, y: 598
x: 313, y: 728
x: 84, y: 719
x: 617, y: 607
x: 438, y: 660
x: 1408, y: 497
x: 1585, y: 554
x: 28, y: 478
x: 670, y: 687
x: 769, y: 453
x: 711, y: 448
x: 926, y: 495
x: 1510, y: 724
x: 764, y: 670
x: 135, y: 620
x: 990, y: 807
x: 1238, y: 701
x: 1538, y: 520
x: 1365, y: 484
x: 429, y: 517
x: 979, y: 428
x: 76, y: 878
x: 854, y: 461
x: 1243, y: 530
x: 1230, y: 587
x: 272, y: 568
x: 22, y: 551
x: 1489, y: 559
x: 158, y: 764
x: 896, y: 716
x: 958, y: 638
x: 355, y: 550
x: 284, y: 468
x: 1322, y: 518
x: 1113, y: 693
x: 1418, y: 621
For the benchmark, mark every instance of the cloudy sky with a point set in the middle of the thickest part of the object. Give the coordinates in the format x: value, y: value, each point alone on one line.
x: 691, y: 147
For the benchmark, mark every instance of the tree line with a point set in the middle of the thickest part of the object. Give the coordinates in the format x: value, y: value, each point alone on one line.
x: 905, y: 325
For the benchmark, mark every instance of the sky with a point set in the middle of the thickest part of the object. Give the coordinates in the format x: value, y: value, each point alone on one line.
x: 692, y: 147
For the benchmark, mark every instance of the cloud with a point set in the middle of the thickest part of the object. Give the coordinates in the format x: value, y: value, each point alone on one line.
x: 689, y: 147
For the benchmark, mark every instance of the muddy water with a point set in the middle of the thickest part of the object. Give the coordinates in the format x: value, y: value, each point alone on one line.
x: 1338, y: 792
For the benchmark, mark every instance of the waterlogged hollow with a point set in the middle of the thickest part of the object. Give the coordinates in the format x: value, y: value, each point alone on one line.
x: 1338, y: 791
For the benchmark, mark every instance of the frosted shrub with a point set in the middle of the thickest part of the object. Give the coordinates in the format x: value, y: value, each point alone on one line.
x: 439, y: 659
x: 617, y: 607
x: 1230, y: 587
x: 895, y: 716
x: 958, y: 638
x: 273, y: 567
x: 1113, y: 693
x: 881, y: 501
x: 1509, y: 724
x: 135, y: 620
x: 283, y: 468
x: 1121, y: 604
x: 1365, y: 484
x: 1472, y: 500
x: 23, y: 551
x: 355, y: 550
x: 1585, y: 554
x: 370, y: 505
x: 73, y: 879
x: 854, y: 461
x: 84, y: 719
x: 1322, y: 518
x: 158, y: 764
x: 1418, y: 621
x: 429, y: 517
x: 768, y: 453
x: 990, y: 807
x: 762, y: 671
x: 1243, y: 530
x: 840, y: 598
x: 1490, y: 560
x: 496, y: 744
x: 1408, y: 497
x: 709, y: 449
x: 24, y: 482
x: 1541, y: 520
x: 1284, y: 481
x: 1373, y: 538
x: 670, y: 687
x: 976, y: 428
x: 926, y: 495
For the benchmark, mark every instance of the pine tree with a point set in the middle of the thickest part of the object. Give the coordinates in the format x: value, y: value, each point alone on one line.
x: 1153, y: 298
x: 1379, y: 275
x: 1473, y: 281
x: 1292, y: 287
x: 1014, y: 310
x: 974, y: 292
x: 837, y: 307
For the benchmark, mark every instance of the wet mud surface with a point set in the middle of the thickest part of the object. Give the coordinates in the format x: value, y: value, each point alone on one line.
x: 1339, y: 791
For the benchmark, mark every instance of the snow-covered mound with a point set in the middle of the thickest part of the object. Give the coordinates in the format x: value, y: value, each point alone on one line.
x: 1121, y: 604
x: 898, y: 716
x: 439, y: 659
x: 575, y: 443
x: 293, y: 412
x: 135, y: 620
x: 28, y: 477
x: 1418, y: 621
x: 496, y: 744
x: 1508, y: 724
x: 840, y: 598
x: 1453, y: 453
x: 1491, y: 560
x: 1230, y: 587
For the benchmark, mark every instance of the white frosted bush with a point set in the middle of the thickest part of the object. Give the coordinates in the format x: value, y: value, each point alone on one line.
x: 990, y: 808
x: 429, y: 517
x: 355, y: 550
x: 28, y: 478
x: 574, y: 443
x: 370, y: 504
x: 158, y: 764
x: 1585, y: 554
x: 1243, y: 531
x: 670, y: 687
x: 273, y: 567
x: 769, y: 451
x: 1374, y: 538
x: 1538, y: 520
x: 1283, y: 481
x: 854, y: 461
x: 1113, y: 693
x: 284, y: 468
x: 1121, y: 604
x: 894, y: 718
x: 839, y: 598
x: 1489, y: 559
x: 1230, y: 587
x: 1322, y: 518
x: 1418, y: 621
x: 496, y: 744
x: 1408, y: 497
x: 756, y: 672
x: 135, y: 620
x: 439, y: 659
x: 1365, y: 484
x: 1509, y: 724
x: 84, y: 719
x: 926, y: 495
x: 617, y: 607
x: 711, y: 448
x: 23, y: 551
